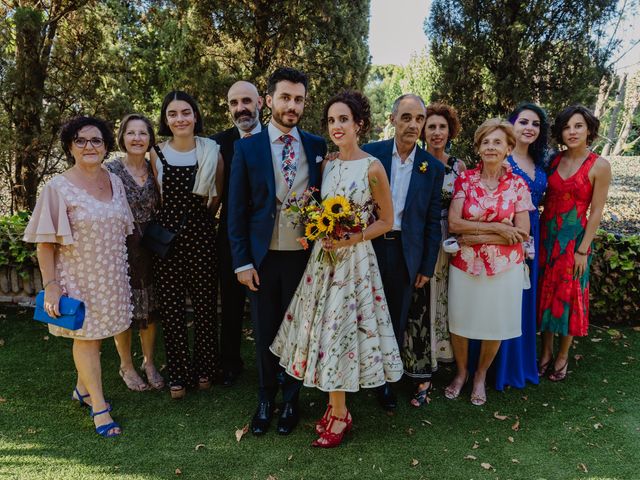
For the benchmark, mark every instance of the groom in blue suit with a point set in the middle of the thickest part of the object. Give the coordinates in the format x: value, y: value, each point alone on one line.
x: 407, y: 254
x: 267, y: 258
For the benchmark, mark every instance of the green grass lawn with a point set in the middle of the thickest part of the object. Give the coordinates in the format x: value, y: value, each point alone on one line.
x: 587, y: 427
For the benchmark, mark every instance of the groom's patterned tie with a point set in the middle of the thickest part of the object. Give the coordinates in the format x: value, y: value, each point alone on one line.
x: 288, y: 159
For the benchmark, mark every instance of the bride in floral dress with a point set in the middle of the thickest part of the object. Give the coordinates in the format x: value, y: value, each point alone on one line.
x: 337, y: 333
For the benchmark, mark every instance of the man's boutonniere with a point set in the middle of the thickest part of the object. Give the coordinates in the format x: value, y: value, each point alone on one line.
x: 423, y: 167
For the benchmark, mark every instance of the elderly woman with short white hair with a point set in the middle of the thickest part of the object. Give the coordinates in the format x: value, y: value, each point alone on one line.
x: 490, y: 214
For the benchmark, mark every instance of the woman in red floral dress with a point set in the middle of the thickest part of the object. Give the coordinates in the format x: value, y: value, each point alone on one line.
x: 578, y: 182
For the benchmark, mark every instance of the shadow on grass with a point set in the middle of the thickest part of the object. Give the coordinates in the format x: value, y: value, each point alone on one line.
x: 586, y: 427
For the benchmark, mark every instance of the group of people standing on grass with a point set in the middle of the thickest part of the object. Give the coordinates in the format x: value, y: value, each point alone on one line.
x: 454, y: 264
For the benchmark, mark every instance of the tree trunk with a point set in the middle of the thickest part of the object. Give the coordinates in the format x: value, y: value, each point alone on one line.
x: 621, y: 144
x: 613, y: 123
x: 27, y: 111
x: 603, y: 94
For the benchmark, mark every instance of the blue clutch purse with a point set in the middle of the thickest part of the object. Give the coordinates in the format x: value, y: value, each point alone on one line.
x: 71, y: 312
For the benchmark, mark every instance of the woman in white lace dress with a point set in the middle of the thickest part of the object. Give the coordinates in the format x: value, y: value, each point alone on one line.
x: 337, y: 333
x: 80, y: 223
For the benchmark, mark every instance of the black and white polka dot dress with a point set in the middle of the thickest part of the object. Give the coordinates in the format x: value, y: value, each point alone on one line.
x: 190, y: 269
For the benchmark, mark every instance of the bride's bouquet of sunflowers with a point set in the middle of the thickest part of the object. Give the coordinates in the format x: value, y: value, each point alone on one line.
x: 336, y: 217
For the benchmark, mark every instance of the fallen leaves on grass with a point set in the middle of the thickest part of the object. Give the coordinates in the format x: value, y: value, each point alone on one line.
x: 414, y: 462
x: 241, y: 431
x: 470, y: 457
x: 272, y: 477
x: 583, y: 468
x: 597, y: 426
x: 45, y: 338
x: 515, y: 460
x: 426, y: 422
x: 290, y: 457
x: 516, y: 426
x: 410, y: 431
x: 1, y: 342
x: 596, y: 340
x: 497, y: 416
x: 487, y: 466
x: 178, y: 471
x: 614, y: 333
x: 475, y: 445
x: 199, y: 446
x: 3, y: 400
x: 511, y: 439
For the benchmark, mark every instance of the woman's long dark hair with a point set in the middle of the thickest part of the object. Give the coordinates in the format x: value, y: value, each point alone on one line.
x: 538, y: 149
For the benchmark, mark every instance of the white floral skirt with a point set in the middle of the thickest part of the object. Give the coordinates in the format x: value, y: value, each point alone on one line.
x: 337, y: 334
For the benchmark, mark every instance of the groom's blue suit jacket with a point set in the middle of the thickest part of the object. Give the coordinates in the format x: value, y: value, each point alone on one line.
x: 421, y: 230
x: 252, y: 194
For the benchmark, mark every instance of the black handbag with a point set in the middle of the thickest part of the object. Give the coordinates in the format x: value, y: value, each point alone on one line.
x: 156, y: 237
x: 159, y: 239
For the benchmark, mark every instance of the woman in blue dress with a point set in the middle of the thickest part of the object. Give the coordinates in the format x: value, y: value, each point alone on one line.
x: 515, y: 364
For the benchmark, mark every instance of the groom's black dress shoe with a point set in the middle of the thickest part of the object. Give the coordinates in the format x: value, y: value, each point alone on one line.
x: 387, y: 397
x: 262, y: 418
x: 288, y: 418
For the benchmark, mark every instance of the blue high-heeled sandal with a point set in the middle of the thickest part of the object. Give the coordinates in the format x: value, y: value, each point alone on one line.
x: 106, y: 410
x: 80, y: 398
x: 103, y: 430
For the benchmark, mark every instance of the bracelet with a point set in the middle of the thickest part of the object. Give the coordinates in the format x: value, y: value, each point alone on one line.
x: 363, y: 239
x: 50, y: 282
x: 584, y: 254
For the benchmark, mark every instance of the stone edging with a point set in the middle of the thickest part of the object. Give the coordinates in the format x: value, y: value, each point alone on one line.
x: 19, y: 289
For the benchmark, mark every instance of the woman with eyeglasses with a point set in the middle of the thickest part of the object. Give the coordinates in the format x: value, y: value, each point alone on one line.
x: 189, y: 172
x: 135, y: 138
x: 80, y: 223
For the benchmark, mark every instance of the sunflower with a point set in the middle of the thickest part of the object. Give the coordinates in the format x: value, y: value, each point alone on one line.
x: 312, y: 231
x: 326, y: 222
x: 337, y: 206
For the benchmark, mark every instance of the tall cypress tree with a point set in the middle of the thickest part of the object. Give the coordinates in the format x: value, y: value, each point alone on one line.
x: 493, y: 54
x: 327, y: 40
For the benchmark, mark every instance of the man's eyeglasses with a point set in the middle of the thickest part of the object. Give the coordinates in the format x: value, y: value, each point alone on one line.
x: 80, y: 142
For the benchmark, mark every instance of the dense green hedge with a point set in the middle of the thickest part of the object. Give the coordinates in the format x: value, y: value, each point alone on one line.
x: 615, y: 279
x: 13, y: 251
x: 615, y: 270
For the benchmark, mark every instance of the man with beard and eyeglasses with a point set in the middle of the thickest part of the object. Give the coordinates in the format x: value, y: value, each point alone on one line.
x: 407, y: 254
x: 245, y: 104
x: 267, y: 168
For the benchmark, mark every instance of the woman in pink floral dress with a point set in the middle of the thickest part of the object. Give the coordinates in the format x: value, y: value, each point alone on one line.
x: 80, y: 223
x: 490, y: 213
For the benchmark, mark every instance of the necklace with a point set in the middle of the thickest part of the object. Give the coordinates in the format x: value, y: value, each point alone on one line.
x: 491, y: 182
x: 97, y: 183
x: 138, y: 173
